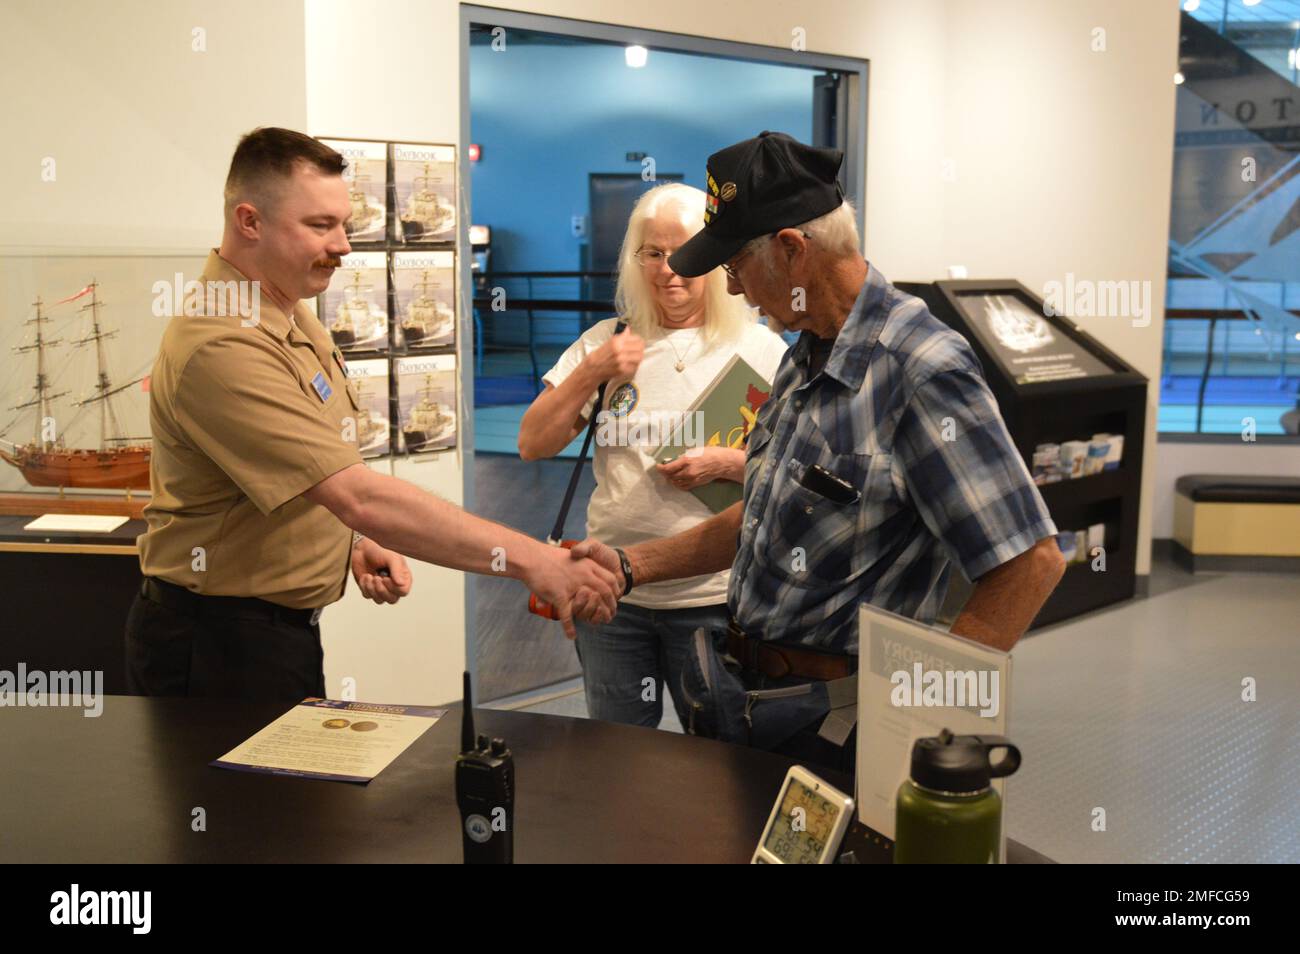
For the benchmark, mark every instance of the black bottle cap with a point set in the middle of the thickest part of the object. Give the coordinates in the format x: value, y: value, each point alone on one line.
x: 960, y: 763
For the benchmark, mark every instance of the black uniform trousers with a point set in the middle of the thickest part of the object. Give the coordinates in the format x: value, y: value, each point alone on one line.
x: 180, y: 643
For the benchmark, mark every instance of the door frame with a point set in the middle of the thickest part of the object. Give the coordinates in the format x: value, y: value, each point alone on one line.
x: 854, y: 70
x: 856, y: 73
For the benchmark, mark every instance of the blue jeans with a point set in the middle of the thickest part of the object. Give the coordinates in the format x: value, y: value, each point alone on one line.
x: 635, y: 646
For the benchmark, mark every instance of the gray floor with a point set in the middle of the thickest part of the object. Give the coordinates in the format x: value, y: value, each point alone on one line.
x: 567, y: 699
x: 517, y: 651
x: 1138, y: 710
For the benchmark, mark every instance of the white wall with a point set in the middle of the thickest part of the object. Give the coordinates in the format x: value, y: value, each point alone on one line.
x: 140, y: 124
x: 1063, y: 159
x: 412, y: 652
x: 390, y: 70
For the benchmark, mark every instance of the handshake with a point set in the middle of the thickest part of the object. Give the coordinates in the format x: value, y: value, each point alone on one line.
x: 583, y: 582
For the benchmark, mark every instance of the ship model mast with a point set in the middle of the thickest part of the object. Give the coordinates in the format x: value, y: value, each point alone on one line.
x: 110, y: 431
x: 43, y: 396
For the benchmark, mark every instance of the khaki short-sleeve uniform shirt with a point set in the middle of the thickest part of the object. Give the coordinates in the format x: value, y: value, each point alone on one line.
x: 247, y: 413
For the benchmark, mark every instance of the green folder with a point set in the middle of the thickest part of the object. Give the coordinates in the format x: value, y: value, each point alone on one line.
x: 729, y: 405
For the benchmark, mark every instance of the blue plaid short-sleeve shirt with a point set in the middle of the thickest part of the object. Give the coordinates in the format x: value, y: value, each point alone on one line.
x: 902, y: 413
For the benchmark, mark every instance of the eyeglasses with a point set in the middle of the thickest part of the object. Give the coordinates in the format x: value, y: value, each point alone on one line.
x: 651, y: 257
x: 730, y: 267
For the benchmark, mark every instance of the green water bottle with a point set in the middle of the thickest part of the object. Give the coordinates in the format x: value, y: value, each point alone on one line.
x: 948, y: 812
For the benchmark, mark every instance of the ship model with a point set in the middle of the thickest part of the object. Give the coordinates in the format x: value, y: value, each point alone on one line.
x: 117, y: 462
x: 358, y: 322
x: 427, y: 213
x: 428, y: 422
x: 427, y: 318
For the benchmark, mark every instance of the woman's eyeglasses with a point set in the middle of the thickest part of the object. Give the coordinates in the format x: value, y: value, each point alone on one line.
x: 651, y: 257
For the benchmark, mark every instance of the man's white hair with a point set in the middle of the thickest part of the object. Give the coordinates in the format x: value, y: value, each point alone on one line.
x: 835, y: 233
x: 725, y: 316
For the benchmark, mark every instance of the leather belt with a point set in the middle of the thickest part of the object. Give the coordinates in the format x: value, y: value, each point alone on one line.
x: 777, y: 660
x: 199, y: 605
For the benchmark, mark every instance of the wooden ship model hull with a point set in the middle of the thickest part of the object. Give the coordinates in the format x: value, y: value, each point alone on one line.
x: 124, y: 468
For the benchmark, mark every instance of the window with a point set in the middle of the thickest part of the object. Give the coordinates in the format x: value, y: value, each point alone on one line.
x: 1232, y: 332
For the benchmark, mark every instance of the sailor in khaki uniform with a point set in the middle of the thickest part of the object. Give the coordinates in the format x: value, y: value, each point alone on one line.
x: 261, y: 503
x: 262, y: 415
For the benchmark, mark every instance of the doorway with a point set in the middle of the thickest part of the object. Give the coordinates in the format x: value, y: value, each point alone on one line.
x: 563, y: 124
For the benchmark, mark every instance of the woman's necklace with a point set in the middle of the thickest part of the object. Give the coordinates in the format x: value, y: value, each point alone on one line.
x: 681, y: 358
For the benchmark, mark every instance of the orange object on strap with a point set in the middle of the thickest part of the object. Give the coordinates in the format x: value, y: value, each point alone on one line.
x: 535, y: 605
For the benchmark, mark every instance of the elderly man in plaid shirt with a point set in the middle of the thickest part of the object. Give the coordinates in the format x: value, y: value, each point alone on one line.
x: 878, y: 462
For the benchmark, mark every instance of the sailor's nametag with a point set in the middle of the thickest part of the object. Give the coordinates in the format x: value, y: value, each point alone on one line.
x: 323, y: 389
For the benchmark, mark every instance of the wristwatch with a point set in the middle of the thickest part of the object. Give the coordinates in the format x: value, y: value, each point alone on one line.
x: 626, y: 564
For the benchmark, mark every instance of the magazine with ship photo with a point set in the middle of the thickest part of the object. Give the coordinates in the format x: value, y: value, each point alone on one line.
x: 369, y: 379
x: 354, y: 308
x: 426, y: 403
x: 424, y: 285
x: 424, y: 179
x: 367, y: 178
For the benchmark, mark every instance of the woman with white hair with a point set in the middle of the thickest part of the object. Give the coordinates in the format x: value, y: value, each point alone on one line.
x: 680, y: 333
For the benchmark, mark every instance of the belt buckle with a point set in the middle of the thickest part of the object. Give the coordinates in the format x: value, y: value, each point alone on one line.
x: 315, y: 617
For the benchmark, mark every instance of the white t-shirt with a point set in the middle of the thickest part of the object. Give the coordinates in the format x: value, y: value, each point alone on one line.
x: 632, y: 501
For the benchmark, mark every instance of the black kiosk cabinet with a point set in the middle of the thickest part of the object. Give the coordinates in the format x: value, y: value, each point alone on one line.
x: 1058, y: 388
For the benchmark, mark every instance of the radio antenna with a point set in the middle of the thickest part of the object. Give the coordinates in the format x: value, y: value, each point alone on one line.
x: 467, y: 720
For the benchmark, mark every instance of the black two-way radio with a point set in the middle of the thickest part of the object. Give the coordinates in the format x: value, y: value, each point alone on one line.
x: 485, y: 793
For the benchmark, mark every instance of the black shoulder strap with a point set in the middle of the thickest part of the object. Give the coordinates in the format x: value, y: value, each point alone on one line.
x: 557, y: 532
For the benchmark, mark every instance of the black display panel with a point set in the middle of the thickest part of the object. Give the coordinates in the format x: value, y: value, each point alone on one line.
x: 1028, y: 347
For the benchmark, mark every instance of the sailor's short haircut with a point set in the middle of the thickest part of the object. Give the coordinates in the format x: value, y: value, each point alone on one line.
x: 266, y: 157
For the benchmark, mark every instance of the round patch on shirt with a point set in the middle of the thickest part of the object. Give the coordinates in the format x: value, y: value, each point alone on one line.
x: 624, y: 399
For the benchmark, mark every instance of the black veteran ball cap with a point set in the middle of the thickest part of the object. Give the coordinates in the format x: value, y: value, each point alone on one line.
x: 757, y: 187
